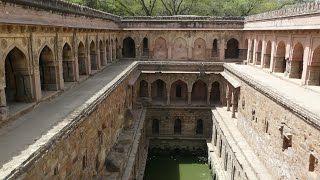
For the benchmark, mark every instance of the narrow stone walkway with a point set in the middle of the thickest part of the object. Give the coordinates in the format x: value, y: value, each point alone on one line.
x: 19, y: 134
x: 291, y: 93
x: 250, y: 162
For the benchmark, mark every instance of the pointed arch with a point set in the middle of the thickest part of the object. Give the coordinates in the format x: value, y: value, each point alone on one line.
x: 161, y: 49
x: 199, y: 49
x: 129, y: 48
x: 68, y: 64
x: 17, y: 77
x: 296, y: 63
x: 179, y: 92
x: 314, y: 69
x: 258, y: 53
x: 199, y: 92
x: 143, y: 91
x: 180, y: 49
x: 82, y: 59
x: 159, y: 90
x: 267, y: 55
x: 48, y: 70
x: 145, y: 49
x: 93, y: 56
x: 215, y: 93
x: 215, y: 48
x: 280, y: 62
x: 232, y: 51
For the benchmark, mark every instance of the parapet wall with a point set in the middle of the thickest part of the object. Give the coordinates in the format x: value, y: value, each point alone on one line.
x: 64, y: 7
x: 304, y: 9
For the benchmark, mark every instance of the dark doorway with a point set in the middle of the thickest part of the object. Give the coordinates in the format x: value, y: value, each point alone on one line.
x: 177, y: 126
x: 143, y: 88
x: 145, y: 47
x: 17, y: 87
x: 199, y: 129
x: 155, y: 126
x: 232, y: 51
x: 129, y: 48
x: 215, y: 92
x: 47, y: 69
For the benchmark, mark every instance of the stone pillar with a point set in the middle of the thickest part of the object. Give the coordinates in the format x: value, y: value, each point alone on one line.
x: 149, y: 92
x: 190, y: 52
x: 229, y: 94
x: 263, y: 52
x: 222, y: 50
x: 98, y: 59
x: 169, y: 51
x: 189, y: 98
x: 273, y: 49
x: 233, y: 102
x: 254, y: 54
x: 306, y: 57
x: 59, y: 71
x: 208, y: 94
x: 88, y: 60
x: 76, y: 69
x: 37, y: 84
x: 168, y: 97
x: 208, y: 98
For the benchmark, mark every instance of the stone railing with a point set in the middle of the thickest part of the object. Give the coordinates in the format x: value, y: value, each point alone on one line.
x: 64, y: 7
x: 180, y: 18
x: 304, y: 9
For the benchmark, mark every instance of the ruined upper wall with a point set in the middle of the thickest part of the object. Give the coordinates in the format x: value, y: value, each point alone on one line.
x: 55, y: 13
x: 305, y: 16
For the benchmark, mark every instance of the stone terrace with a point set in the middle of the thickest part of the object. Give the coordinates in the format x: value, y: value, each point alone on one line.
x: 303, y: 102
x: 22, y: 135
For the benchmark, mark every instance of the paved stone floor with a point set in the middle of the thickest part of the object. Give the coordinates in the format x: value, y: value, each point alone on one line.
x: 297, y: 94
x: 19, y: 134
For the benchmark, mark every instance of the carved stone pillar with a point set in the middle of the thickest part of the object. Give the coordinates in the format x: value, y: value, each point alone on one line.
x: 208, y: 95
x: 233, y: 102
x: 149, y: 92
x: 229, y: 94
x: 168, y: 97
x: 189, y: 98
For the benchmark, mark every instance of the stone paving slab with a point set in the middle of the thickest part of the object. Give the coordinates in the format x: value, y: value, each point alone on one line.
x: 304, y: 102
x: 19, y: 134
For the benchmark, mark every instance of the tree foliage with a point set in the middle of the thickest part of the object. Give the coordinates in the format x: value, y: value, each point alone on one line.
x: 187, y: 7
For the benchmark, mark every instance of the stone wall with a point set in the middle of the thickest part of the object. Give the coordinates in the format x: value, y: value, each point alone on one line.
x: 79, y: 150
x: 188, y: 117
x: 185, y: 45
x: 284, y: 141
x: 225, y: 154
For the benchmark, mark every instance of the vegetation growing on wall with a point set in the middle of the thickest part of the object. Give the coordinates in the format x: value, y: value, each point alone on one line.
x: 187, y: 7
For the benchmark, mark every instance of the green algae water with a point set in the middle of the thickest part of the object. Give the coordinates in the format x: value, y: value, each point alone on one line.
x: 176, y: 167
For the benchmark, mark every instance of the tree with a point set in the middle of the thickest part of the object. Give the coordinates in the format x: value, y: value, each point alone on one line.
x: 177, y: 7
x: 188, y: 7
